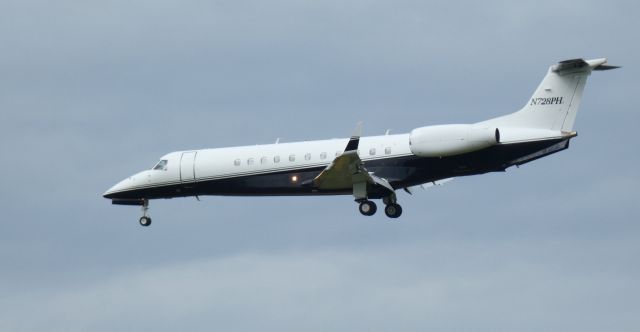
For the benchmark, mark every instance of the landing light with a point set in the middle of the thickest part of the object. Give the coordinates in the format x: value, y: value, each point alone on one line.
x: 294, y: 178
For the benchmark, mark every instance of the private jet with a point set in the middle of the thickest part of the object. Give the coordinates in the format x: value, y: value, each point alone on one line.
x: 374, y: 167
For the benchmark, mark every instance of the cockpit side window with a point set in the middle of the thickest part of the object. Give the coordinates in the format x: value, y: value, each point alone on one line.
x: 161, y: 165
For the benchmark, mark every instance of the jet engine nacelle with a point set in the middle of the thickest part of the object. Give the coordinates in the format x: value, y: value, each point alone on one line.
x: 450, y: 140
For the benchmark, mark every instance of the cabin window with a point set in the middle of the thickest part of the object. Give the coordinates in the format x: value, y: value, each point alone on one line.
x: 292, y: 157
x: 161, y: 165
x: 250, y: 161
x: 276, y: 159
x: 264, y: 160
x: 236, y: 162
x: 372, y: 151
x: 307, y: 156
x: 387, y: 150
x: 323, y: 155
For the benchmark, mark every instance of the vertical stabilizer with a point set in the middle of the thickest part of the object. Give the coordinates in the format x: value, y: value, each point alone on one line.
x: 555, y: 102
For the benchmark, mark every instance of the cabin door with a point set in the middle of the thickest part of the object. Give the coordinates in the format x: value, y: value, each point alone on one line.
x: 187, y: 167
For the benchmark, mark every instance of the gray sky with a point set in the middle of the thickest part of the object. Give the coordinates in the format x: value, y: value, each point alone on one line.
x: 93, y: 91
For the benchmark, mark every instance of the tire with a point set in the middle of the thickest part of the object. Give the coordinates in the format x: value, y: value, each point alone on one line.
x: 145, y: 221
x: 393, y: 210
x: 368, y: 208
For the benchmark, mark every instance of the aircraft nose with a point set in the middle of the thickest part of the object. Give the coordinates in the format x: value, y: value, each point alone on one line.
x: 117, y: 188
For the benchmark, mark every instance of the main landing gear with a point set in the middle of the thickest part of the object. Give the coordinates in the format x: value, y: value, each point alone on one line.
x: 392, y: 209
x: 145, y: 220
x: 368, y: 208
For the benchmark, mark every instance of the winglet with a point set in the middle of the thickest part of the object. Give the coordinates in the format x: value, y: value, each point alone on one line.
x: 355, y: 138
x: 358, y: 131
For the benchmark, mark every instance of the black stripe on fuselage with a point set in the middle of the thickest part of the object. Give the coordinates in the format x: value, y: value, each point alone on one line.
x: 400, y: 171
x: 279, y: 170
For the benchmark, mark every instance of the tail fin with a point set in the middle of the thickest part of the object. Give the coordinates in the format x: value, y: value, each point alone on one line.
x: 555, y: 102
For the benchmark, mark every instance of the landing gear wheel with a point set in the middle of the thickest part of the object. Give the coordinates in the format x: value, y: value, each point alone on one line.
x: 368, y: 208
x: 393, y: 210
x: 145, y: 221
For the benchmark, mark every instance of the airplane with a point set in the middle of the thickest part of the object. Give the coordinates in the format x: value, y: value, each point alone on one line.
x: 373, y: 167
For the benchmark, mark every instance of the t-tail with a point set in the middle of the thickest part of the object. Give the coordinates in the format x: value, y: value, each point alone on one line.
x: 555, y: 102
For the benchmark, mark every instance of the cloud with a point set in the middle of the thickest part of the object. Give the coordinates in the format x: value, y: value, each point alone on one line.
x: 440, y: 285
x: 92, y: 92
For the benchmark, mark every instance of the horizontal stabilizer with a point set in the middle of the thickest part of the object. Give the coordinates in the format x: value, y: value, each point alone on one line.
x: 605, y: 67
x: 570, y: 65
x: 576, y: 65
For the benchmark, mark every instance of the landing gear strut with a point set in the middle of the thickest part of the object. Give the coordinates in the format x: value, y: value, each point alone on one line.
x: 145, y: 220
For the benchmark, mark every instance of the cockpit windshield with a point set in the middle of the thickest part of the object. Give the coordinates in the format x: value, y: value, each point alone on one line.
x: 161, y: 165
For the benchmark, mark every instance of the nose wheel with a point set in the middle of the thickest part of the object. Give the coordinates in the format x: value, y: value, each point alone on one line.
x: 145, y: 220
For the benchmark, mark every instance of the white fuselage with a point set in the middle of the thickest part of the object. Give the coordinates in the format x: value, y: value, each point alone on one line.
x: 374, y: 167
x: 221, y: 163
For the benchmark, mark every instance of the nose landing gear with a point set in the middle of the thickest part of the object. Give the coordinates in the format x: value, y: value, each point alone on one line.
x: 145, y: 220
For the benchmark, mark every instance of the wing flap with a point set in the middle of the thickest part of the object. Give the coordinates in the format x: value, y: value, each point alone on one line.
x: 411, y: 190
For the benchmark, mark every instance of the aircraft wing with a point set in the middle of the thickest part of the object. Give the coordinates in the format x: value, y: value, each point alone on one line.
x: 347, y: 170
x: 425, y: 186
